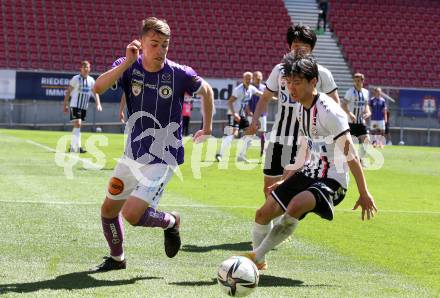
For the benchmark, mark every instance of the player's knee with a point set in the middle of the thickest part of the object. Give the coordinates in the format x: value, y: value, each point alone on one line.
x: 262, y: 216
x: 108, y: 210
x: 131, y: 216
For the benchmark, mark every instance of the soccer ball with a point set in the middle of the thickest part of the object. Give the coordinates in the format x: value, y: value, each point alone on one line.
x: 238, y: 276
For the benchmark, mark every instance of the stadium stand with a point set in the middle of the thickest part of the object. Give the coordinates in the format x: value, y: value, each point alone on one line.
x: 219, y: 38
x: 393, y: 42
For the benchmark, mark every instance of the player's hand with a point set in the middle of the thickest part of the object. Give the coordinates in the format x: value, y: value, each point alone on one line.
x: 201, y: 136
x: 99, y: 108
x: 352, y: 117
x: 65, y: 109
x: 367, y: 204
x: 237, y: 117
x: 273, y: 187
x: 122, y: 116
x: 289, y: 171
x: 132, y: 51
x: 252, y: 129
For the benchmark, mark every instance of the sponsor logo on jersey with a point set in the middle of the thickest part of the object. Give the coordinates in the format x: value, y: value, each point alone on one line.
x: 136, y: 87
x: 151, y: 86
x: 165, y: 92
x: 137, y: 72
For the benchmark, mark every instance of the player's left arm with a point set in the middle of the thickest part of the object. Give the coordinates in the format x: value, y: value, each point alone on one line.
x: 344, y: 143
x: 207, y: 95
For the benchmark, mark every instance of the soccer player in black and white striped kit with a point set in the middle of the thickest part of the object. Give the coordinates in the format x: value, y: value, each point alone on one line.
x: 80, y: 89
x: 325, y: 158
x: 281, y: 149
x: 355, y: 104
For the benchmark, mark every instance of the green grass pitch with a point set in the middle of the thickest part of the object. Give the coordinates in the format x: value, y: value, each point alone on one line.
x: 51, y: 230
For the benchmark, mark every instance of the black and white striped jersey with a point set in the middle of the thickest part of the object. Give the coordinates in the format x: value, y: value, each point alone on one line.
x: 81, y: 91
x: 285, y: 128
x: 357, y: 102
x: 322, y: 124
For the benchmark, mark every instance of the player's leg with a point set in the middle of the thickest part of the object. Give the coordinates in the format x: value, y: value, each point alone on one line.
x: 247, y: 140
x: 120, y: 185
x: 75, y: 117
x: 299, y: 205
x: 281, y: 196
x: 140, y: 208
x: 230, y: 131
x: 263, y: 220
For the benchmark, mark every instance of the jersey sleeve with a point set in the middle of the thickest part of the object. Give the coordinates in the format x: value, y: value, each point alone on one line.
x: 328, y: 84
x: 73, y: 82
x: 193, y: 82
x: 272, y: 80
x: 235, y: 92
x: 121, y: 82
x: 348, y: 96
x: 336, y: 122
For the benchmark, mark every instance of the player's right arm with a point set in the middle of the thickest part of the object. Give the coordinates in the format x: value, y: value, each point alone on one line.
x: 66, y: 99
x: 365, y: 201
x: 107, y: 79
x: 231, y: 101
x: 344, y: 105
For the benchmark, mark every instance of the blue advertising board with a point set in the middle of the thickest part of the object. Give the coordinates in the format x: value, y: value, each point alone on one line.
x: 51, y: 86
x: 420, y: 103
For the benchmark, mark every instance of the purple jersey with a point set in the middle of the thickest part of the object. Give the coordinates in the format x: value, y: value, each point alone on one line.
x: 155, y: 100
x: 378, y: 107
x: 254, y: 100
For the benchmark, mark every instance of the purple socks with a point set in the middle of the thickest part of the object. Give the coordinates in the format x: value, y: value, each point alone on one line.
x: 114, y: 234
x: 152, y: 218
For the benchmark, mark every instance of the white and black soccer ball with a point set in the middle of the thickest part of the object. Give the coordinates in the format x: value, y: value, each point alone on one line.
x: 238, y: 276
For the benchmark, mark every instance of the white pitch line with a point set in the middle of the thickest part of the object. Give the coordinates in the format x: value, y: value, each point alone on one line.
x: 84, y: 160
x: 204, y: 206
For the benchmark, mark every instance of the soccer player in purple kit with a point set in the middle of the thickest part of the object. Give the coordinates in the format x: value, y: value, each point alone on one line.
x: 378, y: 119
x: 154, y: 88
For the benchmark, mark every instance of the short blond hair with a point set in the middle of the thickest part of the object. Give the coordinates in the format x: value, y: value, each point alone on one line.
x: 359, y: 75
x: 158, y: 25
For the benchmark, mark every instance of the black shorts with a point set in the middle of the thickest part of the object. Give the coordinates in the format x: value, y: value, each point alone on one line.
x: 358, y: 129
x: 243, y: 124
x: 327, y: 192
x: 278, y: 156
x: 76, y: 113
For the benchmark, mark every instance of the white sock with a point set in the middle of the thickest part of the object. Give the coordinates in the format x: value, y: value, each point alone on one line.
x: 226, y: 142
x: 259, y: 232
x: 280, y: 232
x: 118, y: 258
x: 73, y: 142
x: 247, y: 141
x: 77, y: 133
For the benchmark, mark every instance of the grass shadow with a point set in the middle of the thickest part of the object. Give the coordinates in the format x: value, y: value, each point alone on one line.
x: 70, y: 281
x: 240, y: 246
x: 265, y: 281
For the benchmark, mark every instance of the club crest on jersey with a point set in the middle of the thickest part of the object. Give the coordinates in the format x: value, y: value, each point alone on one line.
x: 136, y: 87
x: 165, y: 92
x: 166, y: 77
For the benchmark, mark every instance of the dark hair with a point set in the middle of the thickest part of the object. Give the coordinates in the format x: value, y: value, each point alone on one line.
x: 85, y: 63
x: 304, y: 66
x: 157, y: 25
x: 301, y: 33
